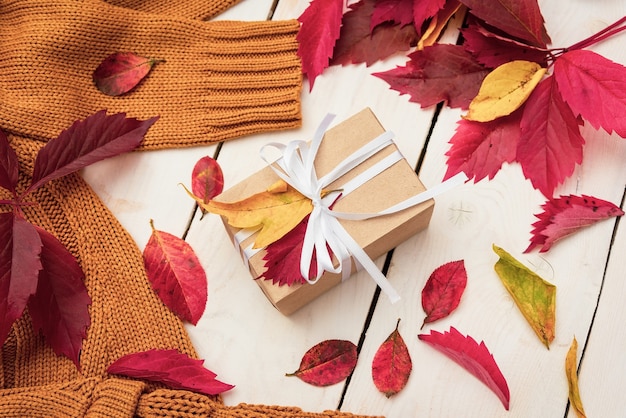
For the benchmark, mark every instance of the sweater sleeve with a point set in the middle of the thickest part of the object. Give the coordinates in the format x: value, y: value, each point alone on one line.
x: 219, y: 80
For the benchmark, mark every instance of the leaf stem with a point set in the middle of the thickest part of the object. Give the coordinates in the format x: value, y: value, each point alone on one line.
x: 605, y: 33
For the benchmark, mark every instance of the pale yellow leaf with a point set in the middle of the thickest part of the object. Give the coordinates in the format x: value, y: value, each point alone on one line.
x: 572, y: 380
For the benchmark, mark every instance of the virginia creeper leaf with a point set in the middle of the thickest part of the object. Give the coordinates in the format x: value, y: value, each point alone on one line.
x: 20, y: 248
x: 534, y: 297
x: 396, y: 11
x: 357, y: 43
x: 593, y: 87
x: 473, y: 357
x: 520, y: 19
x: 392, y: 365
x: 551, y: 144
x: 174, y: 369
x: 327, y: 363
x: 95, y: 138
x: 438, y: 73
x: 207, y: 179
x: 320, y: 27
x: 176, y: 275
x: 571, y: 371
x: 424, y: 10
x: 504, y: 90
x: 443, y: 290
x: 59, y: 309
x: 120, y: 72
x: 8, y: 164
x: 438, y: 23
x: 565, y: 215
x: 480, y: 148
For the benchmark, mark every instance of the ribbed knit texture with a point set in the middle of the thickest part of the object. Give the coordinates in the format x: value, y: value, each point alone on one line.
x: 221, y: 80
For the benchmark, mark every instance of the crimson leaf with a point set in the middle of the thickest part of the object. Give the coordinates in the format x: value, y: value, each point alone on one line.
x: 392, y: 365
x: 396, y: 11
x: 443, y: 290
x: 60, y: 306
x: 97, y: 137
x: 120, y: 72
x: 327, y: 363
x: 8, y: 164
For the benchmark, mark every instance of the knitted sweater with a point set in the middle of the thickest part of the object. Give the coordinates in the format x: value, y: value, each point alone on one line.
x: 221, y: 80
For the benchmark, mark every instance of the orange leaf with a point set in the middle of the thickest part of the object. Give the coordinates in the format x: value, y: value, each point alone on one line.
x: 572, y: 379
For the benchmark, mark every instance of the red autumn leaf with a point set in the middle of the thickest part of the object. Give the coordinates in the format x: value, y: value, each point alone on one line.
x: 396, y: 11
x: 20, y: 247
x: 593, y: 87
x: 174, y: 369
x: 565, y: 215
x: 423, y: 10
x: 357, y: 43
x: 97, y: 137
x: 207, y: 180
x: 176, y: 275
x: 551, y: 144
x: 392, y: 364
x: 327, y: 363
x: 520, y: 19
x: 438, y: 73
x: 473, y: 357
x: 480, y: 148
x: 120, y: 72
x: 8, y: 164
x: 443, y: 290
x: 321, y: 23
x: 60, y: 306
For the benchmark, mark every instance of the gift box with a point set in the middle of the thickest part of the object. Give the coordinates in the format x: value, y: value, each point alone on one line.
x: 375, y: 235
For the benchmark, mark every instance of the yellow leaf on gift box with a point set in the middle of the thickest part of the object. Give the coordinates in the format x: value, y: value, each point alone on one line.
x: 504, y: 90
x: 535, y: 297
x: 572, y: 379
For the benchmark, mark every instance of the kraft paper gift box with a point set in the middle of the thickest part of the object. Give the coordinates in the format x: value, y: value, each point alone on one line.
x: 376, y: 235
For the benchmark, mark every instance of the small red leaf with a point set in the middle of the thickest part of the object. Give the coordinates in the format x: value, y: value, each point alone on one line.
x: 473, y: 357
x: 207, y: 180
x: 8, y: 164
x: 321, y: 23
x: 443, y: 290
x: 97, y: 137
x: 327, y: 363
x: 120, y: 72
x: 392, y: 364
x: 176, y: 275
x: 20, y: 248
x: 565, y: 215
x: 174, y: 369
x: 60, y: 306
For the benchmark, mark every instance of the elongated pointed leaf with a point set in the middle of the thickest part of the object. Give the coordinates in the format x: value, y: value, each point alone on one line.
x: 534, y: 297
x: 176, y: 275
x: 59, y: 308
x: 8, y: 164
x: 207, y: 180
x: 473, y: 357
x: 571, y: 371
x: 20, y: 248
x: 174, y: 369
x: 96, y: 138
x: 443, y: 290
x: 121, y: 72
x: 327, y: 363
x: 392, y: 365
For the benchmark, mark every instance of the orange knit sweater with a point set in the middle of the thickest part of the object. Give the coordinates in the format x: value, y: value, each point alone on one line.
x: 220, y: 80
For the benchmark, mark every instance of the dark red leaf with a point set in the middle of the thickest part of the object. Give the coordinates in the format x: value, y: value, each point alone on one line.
x: 392, y: 364
x: 321, y: 23
x: 20, y: 247
x: 207, y: 180
x: 480, y: 148
x: 424, y: 10
x: 174, y: 369
x: 473, y: 357
x: 327, y: 363
x: 565, y: 215
x: 520, y: 19
x: 8, y: 164
x: 176, y: 275
x: 358, y: 44
x: 443, y: 290
x: 120, y: 72
x: 396, y: 11
x: 438, y: 73
x: 550, y: 144
x: 60, y: 306
x: 97, y: 137
x: 593, y: 87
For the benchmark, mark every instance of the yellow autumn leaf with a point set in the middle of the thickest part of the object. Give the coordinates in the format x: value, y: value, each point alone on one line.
x: 534, y: 297
x: 437, y: 24
x: 572, y: 380
x: 504, y: 90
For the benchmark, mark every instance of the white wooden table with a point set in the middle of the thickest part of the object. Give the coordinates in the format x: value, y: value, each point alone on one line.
x: 250, y: 344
